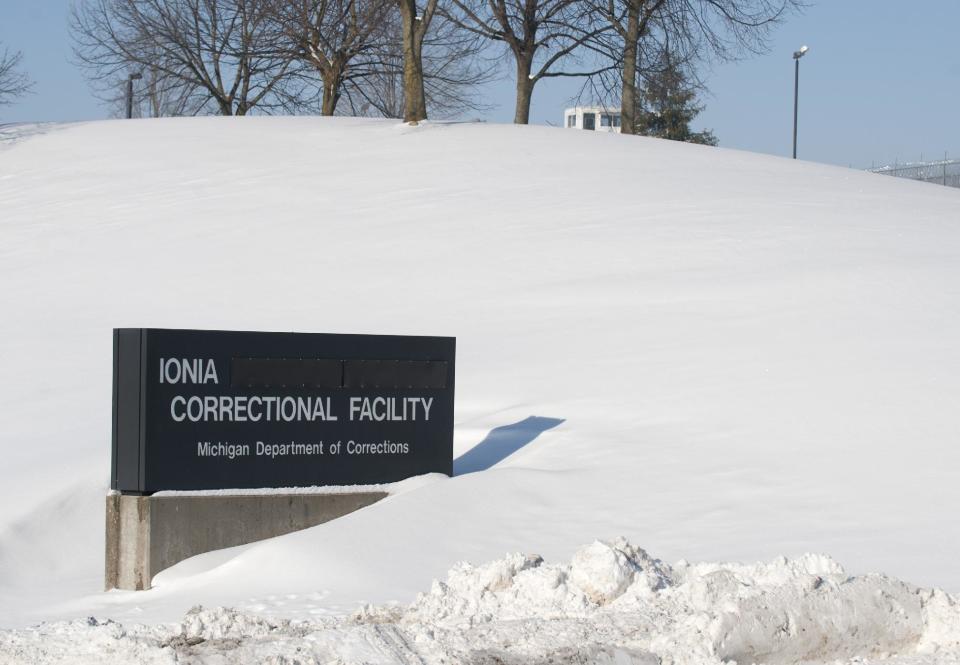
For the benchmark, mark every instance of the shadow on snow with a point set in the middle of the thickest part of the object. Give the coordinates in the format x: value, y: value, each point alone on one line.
x: 502, y: 442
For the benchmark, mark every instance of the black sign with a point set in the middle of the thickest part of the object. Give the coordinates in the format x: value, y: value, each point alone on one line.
x: 199, y: 409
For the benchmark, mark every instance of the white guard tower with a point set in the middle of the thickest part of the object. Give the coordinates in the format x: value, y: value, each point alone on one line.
x: 595, y: 118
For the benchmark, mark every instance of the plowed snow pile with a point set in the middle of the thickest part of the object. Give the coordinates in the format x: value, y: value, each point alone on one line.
x: 612, y: 604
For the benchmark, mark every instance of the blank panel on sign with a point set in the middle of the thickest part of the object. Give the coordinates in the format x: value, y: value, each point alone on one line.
x: 397, y: 374
x: 285, y: 373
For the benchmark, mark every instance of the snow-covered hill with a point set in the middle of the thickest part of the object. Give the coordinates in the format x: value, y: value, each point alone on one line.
x: 718, y: 355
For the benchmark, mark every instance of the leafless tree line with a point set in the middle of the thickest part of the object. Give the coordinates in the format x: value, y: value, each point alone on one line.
x: 398, y: 58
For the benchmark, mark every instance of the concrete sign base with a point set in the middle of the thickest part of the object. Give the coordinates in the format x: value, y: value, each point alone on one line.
x: 146, y: 534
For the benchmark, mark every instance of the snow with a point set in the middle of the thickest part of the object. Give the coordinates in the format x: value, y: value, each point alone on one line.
x: 719, y: 355
x: 613, y: 603
x: 400, y: 486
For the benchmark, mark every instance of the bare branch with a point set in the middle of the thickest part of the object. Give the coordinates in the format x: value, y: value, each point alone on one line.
x: 544, y: 37
x: 222, y: 53
x: 13, y: 82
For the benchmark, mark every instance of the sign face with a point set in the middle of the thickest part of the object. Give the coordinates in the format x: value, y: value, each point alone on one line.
x: 199, y: 409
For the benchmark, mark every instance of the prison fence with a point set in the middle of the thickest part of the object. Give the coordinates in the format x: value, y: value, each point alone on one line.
x: 944, y: 172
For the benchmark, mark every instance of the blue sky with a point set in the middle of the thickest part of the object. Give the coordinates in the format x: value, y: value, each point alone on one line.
x: 881, y: 82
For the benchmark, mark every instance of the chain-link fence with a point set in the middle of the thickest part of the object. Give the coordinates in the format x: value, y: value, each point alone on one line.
x: 944, y: 172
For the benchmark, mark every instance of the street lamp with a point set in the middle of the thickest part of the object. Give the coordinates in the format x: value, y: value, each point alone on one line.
x: 136, y: 76
x: 796, y: 92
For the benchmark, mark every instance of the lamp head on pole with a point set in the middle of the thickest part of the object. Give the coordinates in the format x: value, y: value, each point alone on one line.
x: 802, y: 52
x: 136, y: 76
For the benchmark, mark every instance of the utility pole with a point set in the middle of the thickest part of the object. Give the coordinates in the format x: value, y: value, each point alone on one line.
x: 796, y: 92
x: 136, y: 76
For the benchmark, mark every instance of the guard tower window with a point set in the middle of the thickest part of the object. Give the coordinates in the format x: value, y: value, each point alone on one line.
x: 616, y: 120
x: 605, y: 120
x: 589, y: 120
x: 572, y: 120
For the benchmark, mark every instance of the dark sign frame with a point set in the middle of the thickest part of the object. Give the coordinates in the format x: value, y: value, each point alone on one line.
x: 206, y: 410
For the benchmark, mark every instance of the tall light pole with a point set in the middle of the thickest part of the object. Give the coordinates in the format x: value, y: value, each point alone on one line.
x: 796, y: 92
x: 136, y: 76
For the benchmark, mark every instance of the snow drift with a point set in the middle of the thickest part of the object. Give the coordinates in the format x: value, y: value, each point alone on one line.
x: 717, y: 354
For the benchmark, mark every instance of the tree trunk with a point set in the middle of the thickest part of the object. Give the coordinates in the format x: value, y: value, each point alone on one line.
x: 628, y: 95
x: 414, y: 97
x: 331, y: 93
x: 521, y: 115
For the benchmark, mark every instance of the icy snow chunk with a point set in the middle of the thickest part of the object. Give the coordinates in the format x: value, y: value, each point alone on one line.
x: 941, y: 619
x: 712, y: 584
x: 498, y: 575
x: 604, y: 571
x: 86, y: 642
x: 221, y: 623
x: 515, y: 587
x: 792, y: 622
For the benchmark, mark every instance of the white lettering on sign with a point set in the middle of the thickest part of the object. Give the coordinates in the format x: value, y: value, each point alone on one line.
x: 385, y: 447
x: 253, y: 408
x: 187, y: 370
x: 273, y: 408
x: 293, y: 448
x: 221, y: 449
x: 390, y: 408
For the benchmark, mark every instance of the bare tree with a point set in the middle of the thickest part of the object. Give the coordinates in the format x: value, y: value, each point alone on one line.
x: 414, y: 25
x: 452, y: 66
x: 157, y: 95
x: 543, y: 36
x: 679, y: 32
x: 162, y: 95
x: 341, y: 40
x: 630, y: 19
x: 13, y: 82
x: 223, y: 53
